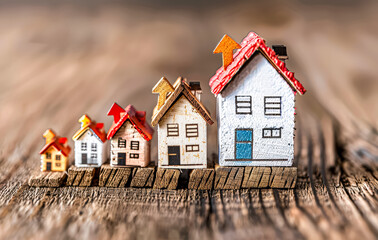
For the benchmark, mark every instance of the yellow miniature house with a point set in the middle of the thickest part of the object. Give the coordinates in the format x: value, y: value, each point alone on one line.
x: 54, y: 155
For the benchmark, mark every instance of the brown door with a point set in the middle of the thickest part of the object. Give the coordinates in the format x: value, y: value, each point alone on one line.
x: 48, y: 166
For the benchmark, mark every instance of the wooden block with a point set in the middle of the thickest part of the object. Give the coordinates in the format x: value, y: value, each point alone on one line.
x: 228, y: 177
x: 274, y: 177
x: 114, y: 176
x: 256, y: 177
x: 143, y: 177
x: 48, y: 179
x: 283, y: 177
x: 80, y: 176
x: 201, y: 179
x: 166, y: 178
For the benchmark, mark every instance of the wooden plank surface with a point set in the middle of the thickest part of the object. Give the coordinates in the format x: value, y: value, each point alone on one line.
x: 61, y: 61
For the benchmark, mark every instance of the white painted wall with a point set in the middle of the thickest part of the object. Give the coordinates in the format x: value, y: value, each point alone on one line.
x: 182, y: 112
x: 257, y: 78
x: 89, y: 137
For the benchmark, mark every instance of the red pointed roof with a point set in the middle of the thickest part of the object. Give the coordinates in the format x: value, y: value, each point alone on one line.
x: 137, y: 119
x: 249, y: 46
x: 59, y: 143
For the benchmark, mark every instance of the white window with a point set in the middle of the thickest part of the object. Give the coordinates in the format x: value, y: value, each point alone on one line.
x: 191, y: 130
x: 272, y: 106
x: 94, y: 157
x: 243, y: 104
x: 134, y: 155
x: 271, y: 133
x: 83, y: 146
x: 94, y: 147
x: 192, y: 148
x: 172, y: 130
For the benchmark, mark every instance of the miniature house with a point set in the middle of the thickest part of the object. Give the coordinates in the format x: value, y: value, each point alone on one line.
x: 182, y: 123
x: 89, y: 143
x: 130, y: 137
x: 54, y: 155
x: 255, y: 106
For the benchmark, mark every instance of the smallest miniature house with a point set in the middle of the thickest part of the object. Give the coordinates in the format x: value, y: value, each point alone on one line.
x: 89, y: 143
x: 130, y: 137
x: 54, y: 155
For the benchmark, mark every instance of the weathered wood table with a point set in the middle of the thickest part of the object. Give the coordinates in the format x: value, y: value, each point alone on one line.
x: 59, y: 63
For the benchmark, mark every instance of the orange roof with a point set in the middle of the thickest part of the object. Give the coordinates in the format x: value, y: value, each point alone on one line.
x: 87, y: 123
x: 59, y: 143
x: 137, y: 119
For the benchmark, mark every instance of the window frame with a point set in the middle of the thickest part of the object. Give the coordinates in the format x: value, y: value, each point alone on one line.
x: 271, y: 132
x: 243, y: 107
x: 93, y: 147
x: 173, y: 130
x: 134, y: 155
x: 58, y: 157
x: 274, y: 107
x: 190, y: 148
x: 134, y: 145
x: 193, y: 130
x: 121, y: 143
x: 84, y: 146
x: 94, y: 158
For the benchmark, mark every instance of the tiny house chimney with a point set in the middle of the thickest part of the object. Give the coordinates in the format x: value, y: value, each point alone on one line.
x: 281, y: 52
x: 196, y: 90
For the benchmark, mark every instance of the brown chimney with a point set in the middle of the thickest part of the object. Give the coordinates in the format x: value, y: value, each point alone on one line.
x: 281, y: 52
x: 196, y: 90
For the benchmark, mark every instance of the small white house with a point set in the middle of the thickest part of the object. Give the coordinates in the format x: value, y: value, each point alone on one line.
x: 89, y: 143
x: 182, y: 125
x: 255, y: 107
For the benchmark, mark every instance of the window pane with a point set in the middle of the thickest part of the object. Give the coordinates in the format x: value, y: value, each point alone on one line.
x: 243, y: 104
x: 267, y: 132
x: 272, y: 106
x: 172, y: 130
x: 191, y: 130
x: 243, y: 150
x: 94, y: 147
x: 243, y: 135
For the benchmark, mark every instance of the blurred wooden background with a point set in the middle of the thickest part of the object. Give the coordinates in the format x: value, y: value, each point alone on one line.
x: 59, y: 60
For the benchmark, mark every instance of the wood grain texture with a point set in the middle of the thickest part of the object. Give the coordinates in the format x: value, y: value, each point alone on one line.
x: 48, y: 179
x: 273, y: 177
x: 228, y: 177
x: 201, y: 179
x: 143, y: 177
x: 167, y: 179
x: 114, y: 176
x: 80, y: 176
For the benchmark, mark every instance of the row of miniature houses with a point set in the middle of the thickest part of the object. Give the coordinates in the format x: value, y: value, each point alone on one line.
x: 255, y: 114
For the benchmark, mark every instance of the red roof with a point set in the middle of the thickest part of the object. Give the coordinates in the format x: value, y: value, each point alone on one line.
x: 137, y: 119
x: 59, y: 144
x: 249, y: 46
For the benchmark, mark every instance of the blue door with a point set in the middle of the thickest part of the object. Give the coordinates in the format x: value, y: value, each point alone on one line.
x: 243, y: 144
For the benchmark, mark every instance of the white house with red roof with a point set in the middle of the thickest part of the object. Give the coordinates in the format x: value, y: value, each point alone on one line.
x: 90, y: 143
x: 129, y: 137
x: 255, y: 107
